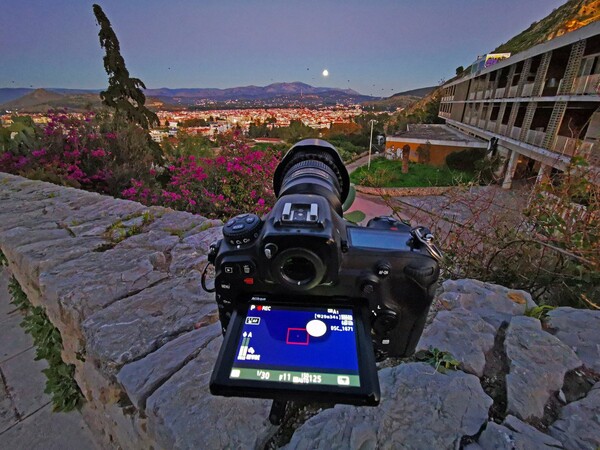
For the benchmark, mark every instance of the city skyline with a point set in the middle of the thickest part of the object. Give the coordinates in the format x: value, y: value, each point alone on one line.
x: 376, y: 48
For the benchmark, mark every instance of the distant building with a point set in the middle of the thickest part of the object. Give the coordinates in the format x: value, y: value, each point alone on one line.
x: 158, y: 136
x: 440, y: 139
x: 542, y: 105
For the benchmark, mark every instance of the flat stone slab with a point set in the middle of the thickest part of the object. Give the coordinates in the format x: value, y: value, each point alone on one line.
x: 538, y: 364
x: 8, y: 412
x: 137, y: 325
x: 88, y: 284
x: 47, y: 430
x: 420, y: 409
x: 141, y: 378
x: 463, y: 334
x: 578, y: 426
x: 13, y: 340
x: 493, y: 303
x: 580, y: 330
x: 183, y: 414
x: 26, y: 382
x: 514, y: 434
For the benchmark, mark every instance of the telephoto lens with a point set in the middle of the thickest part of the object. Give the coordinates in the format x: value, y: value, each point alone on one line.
x: 313, y: 166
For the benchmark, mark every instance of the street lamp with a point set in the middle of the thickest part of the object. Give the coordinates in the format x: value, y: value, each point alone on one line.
x: 370, y: 143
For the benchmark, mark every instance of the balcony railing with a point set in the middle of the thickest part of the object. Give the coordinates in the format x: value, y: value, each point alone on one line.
x: 481, y: 123
x: 564, y: 145
x: 590, y: 151
x: 491, y: 126
x: 589, y: 84
x: 515, y: 132
x: 527, y: 90
x: 535, y: 137
x: 512, y: 91
x: 502, y: 129
x: 499, y: 93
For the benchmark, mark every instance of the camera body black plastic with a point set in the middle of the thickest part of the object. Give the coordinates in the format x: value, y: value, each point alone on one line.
x: 304, y: 251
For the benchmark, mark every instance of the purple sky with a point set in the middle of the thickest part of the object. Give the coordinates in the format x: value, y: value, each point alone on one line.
x: 376, y: 47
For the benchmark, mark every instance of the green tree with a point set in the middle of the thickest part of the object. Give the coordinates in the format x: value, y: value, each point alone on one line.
x: 459, y: 70
x: 124, y: 93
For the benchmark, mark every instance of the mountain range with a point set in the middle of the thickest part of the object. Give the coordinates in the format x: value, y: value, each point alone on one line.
x: 276, y: 94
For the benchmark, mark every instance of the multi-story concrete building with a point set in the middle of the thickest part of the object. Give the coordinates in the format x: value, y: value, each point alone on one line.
x: 543, y: 104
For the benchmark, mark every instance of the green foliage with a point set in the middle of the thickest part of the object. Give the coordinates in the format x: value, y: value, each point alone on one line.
x: 460, y: 70
x: 465, y: 160
x: 355, y: 216
x: 388, y: 173
x: 539, y: 312
x: 124, y: 93
x: 60, y: 383
x: 442, y: 361
x: 296, y: 131
x: 549, y: 248
x: 19, y: 299
x: 350, y: 199
x: 191, y: 145
x: 3, y: 260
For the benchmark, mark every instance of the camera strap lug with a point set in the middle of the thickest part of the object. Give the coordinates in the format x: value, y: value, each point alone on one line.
x: 425, y: 237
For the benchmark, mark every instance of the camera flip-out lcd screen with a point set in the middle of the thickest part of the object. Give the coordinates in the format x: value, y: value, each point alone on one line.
x: 274, y: 350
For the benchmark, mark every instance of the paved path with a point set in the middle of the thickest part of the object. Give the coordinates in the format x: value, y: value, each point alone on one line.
x: 26, y: 417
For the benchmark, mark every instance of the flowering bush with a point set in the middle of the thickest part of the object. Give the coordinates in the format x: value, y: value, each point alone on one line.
x: 238, y: 180
x: 82, y: 151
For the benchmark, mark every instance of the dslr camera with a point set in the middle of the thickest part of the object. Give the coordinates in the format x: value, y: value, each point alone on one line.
x: 309, y: 301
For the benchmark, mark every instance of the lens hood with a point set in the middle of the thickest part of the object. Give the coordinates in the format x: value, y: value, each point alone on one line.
x: 313, y: 149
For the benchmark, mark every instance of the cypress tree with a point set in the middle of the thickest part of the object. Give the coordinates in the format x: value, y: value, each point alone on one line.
x: 124, y: 93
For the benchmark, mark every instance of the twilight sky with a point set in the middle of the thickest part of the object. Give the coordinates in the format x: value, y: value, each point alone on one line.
x: 376, y: 47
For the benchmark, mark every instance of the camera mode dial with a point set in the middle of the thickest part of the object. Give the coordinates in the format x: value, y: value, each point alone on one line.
x: 242, y: 229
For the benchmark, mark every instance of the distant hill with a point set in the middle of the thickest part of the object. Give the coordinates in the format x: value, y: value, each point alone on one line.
x: 569, y: 17
x: 295, y: 92
x: 41, y: 100
x: 276, y: 94
x: 420, y: 92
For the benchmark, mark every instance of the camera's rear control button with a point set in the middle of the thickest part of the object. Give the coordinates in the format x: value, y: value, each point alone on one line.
x: 270, y: 250
x: 383, y: 269
x: 238, y: 226
x: 367, y: 288
x: 230, y: 223
x: 247, y: 268
x: 250, y: 220
x: 249, y: 281
x: 229, y: 269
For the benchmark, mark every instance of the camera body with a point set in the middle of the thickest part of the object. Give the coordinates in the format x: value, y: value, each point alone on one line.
x: 304, y: 252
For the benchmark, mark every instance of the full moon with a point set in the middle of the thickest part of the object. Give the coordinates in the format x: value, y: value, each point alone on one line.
x: 326, y: 73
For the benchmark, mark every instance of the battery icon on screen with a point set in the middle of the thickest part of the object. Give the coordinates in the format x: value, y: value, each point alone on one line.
x: 343, y: 380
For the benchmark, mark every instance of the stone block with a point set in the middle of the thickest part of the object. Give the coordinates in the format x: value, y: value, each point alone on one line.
x: 463, y: 334
x: 514, y: 434
x: 578, y: 426
x: 141, y: 378
x: 538, y: 363
x: 420, y: 409
x: 183, y: 414
x: 137, y: 325
x: 579, y: 329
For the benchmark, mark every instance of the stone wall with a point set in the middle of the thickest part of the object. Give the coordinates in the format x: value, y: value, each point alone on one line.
x: 405, y: 192
x: 122, y: 284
